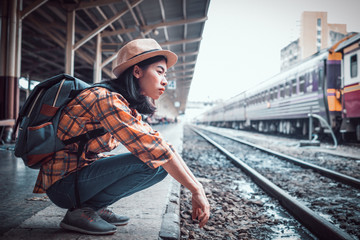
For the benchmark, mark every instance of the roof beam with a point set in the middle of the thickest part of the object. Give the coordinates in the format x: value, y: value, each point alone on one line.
x: 57, y: 12
x: 90, y: 60
x: 103, y: 26
x: 163, y: 43
x: 44, y: 59
x: 181, y: 71
x: 187, y: 77
x: 95, y: 3
x: 111, y: 58
x: 185, y: 54
x: 48, y: 33
x: 32, y: 7
x: 121, y: 31
x: 163, y: 20
x: 132, y: 12
x: 147, y: 29
x: 185, y: 63
x: 181, y: 41
x: 105, y: 18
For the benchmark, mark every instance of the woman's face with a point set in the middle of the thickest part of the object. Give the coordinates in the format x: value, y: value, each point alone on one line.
x: 152, y: 79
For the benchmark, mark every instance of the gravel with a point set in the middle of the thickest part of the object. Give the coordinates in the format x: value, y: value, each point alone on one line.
x: 239, y: 209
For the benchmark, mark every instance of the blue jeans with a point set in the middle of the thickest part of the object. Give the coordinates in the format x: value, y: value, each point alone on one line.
x: 105, y: 181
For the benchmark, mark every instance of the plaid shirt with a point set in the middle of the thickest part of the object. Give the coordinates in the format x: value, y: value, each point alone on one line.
x: 94, y: 108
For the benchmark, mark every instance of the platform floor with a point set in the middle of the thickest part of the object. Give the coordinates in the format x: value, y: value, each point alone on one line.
x: 24, y: 215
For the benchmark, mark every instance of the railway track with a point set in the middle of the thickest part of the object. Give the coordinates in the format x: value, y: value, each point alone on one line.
x: 312, y: 213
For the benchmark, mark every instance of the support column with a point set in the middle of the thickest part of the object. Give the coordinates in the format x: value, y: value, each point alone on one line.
x: 70, y: 39
x: 3, y: 56
x: 97, y: 67
x: 18, y: 56
x: 9, y: 75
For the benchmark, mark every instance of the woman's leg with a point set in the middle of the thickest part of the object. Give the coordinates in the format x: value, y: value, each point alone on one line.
x: 106, y: 181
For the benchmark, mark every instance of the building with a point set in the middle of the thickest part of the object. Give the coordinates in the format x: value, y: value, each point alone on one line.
x: 290, y: 54
x: 315, y: 34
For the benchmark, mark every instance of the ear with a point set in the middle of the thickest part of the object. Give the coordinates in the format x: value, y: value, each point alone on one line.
x: 137, y: 71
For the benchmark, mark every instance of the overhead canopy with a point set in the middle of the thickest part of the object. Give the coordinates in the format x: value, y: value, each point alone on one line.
x: 101, y: 28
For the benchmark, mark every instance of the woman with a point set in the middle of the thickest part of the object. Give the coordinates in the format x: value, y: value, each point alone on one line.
x: 116, y: 105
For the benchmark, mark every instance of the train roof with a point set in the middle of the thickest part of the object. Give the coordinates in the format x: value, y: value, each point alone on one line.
x: 285, y: 75
x: 348, y: 42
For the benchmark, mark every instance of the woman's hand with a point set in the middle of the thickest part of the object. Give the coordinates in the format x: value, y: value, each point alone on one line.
x: 180, y: 171
x: 200, y: 207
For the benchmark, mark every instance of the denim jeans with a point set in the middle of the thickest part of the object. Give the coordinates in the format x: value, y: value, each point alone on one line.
x: 105, y: 181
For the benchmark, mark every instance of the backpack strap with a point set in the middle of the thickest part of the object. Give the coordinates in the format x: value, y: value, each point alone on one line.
x: 86, y: 136
x: 82, y: 140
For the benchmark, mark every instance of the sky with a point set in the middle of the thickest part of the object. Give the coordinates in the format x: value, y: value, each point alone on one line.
x: 242, y: 40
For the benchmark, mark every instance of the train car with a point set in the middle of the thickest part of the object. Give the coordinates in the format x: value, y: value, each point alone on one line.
x: 350, y: 83
x: 227, y: 114
x: 283, y: 103
x: 214, y: 116
x: 234, y: 112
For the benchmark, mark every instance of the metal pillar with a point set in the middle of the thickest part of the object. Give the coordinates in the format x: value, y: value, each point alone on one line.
x: 18, y: 57
x: 9, y: 73
x: 97, y: 67
x: 70, y: 39
x: 4, y: 29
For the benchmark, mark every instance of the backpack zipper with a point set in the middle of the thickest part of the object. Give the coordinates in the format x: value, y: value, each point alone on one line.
x: 58, y: 92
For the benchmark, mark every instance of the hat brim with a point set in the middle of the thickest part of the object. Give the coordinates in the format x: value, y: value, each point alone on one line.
x: 170, y: 56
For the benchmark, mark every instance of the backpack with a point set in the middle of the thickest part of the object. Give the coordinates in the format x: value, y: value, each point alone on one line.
x: 39, y: 118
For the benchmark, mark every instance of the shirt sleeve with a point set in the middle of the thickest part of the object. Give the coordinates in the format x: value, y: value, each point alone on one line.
x: 126, y: 125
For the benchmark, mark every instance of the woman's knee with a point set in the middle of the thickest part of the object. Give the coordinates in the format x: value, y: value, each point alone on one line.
x: 161, y: 173
x: 60, y: 197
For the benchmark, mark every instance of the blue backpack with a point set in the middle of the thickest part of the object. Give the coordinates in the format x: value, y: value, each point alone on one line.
x: 37, y: 138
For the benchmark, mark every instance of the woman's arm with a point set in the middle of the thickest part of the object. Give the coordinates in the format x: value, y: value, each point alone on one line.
x: 178, y: 169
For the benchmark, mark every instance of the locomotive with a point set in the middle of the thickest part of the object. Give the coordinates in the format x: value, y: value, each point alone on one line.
x: 326, y: 84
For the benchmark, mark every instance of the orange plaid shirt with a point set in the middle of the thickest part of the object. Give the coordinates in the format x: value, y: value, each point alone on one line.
x: 94, y: 108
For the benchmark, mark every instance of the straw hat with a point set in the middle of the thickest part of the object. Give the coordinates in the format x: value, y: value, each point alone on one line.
x: 139, y: 50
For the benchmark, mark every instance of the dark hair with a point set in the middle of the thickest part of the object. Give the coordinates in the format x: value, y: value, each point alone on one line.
x: 128, y: 86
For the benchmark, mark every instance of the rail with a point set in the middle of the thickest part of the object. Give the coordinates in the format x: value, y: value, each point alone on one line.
x: 348, y: 180
x: 314, y: 222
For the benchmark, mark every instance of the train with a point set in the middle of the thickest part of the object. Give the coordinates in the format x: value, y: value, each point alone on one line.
x: 317, y: 96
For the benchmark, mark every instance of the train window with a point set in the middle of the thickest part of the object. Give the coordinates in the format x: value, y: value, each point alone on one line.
x: 321, y: 78
x: 287, y: 89
x: 353, y: 66
x: 315, y: 79
x: 267, y: 95
x: 282, y: 92
x: 276, y: 92
x: 302, y: 84
x: 293, y: 85
x: 309, y: 87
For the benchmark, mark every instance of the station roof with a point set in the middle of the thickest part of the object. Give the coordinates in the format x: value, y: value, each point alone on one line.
x: 177, y: 25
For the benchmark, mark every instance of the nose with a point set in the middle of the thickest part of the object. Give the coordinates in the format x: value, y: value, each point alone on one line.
x: 164, y: 82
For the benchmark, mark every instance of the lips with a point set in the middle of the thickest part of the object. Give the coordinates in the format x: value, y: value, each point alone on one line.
x: 162, y: 90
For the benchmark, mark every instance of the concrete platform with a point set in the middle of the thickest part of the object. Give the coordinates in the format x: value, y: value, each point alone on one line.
x: 147, y: 221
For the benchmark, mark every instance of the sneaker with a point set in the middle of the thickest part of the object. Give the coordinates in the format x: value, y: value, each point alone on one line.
x: 86, y: 220
x: 112, y: 217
